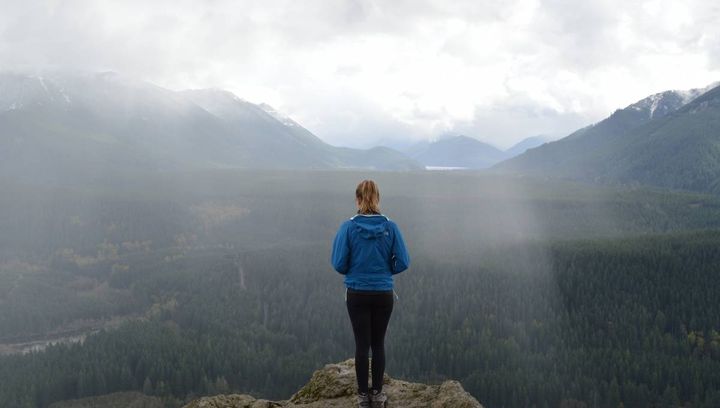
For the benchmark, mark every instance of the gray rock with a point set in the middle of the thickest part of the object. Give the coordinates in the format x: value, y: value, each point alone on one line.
x: 334, y: 386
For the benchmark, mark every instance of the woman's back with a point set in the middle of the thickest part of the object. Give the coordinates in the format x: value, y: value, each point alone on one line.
x: 369, y: 249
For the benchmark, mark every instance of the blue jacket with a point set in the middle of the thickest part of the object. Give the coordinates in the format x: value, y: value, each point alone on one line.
x: 369, y: 249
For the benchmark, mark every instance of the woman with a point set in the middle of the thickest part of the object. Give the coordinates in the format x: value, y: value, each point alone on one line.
x: 369, y: 249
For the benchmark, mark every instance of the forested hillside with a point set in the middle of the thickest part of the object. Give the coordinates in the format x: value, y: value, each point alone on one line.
x: 594, y: 321
x: 529, y: 292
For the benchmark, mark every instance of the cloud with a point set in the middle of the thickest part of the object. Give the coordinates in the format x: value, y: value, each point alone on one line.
x: 357, y: 72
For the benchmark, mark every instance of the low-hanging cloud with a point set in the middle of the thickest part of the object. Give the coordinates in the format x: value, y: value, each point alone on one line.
x: 361, y: 72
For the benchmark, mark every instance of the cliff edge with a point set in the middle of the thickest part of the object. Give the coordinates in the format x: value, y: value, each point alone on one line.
x: 334, y: 386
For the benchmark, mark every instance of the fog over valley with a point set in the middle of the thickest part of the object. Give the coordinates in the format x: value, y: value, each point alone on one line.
x: 192, y: 203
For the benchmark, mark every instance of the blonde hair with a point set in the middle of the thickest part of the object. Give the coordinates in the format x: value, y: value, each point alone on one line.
x: 368, y: 197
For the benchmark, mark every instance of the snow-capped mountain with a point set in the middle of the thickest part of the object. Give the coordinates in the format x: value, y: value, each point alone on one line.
x: 660, y: 104
x: 280, y: 117
x: 670, y: 139
x: 104, y: 122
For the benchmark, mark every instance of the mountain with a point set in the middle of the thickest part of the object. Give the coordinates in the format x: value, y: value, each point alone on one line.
x: 466, y: 152
x: 335, y: 386
x: 670, y: 139
x: 80, y: 124
x: 525, y: 144
x: 456, y: 151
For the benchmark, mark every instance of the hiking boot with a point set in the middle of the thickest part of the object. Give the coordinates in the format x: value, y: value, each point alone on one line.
x: 363, y: 400
x: 379, y: 399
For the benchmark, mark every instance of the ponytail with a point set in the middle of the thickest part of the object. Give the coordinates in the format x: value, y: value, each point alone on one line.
x: 368, y: 197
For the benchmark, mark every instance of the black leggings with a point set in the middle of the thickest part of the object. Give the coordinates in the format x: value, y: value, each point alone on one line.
x: 369, y: 313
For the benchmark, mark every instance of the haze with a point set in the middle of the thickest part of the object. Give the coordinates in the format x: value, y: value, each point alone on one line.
x: 363, y: 73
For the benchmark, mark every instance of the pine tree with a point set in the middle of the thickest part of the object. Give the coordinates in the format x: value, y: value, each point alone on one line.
x: 148, y: 387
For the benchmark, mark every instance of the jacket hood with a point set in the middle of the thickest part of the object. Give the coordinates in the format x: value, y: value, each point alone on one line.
x: 370, y: 226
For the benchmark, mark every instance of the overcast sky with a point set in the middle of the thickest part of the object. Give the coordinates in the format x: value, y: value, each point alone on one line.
x: 360, y: 73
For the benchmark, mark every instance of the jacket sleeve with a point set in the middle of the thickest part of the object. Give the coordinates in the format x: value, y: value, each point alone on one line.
x: 340, y: 257
x: 400, y: 257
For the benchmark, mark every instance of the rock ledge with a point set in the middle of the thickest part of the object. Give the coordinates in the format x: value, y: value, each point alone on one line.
x: 334, y: 386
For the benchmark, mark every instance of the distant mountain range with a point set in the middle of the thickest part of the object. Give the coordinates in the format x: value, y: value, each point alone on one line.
x: 64, y: 124
x: 95, y: 125
x: 670, y: 139
x: 466, y: 152
x: 525, y: 144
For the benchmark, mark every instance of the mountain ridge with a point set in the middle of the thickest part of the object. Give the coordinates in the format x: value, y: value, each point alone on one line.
x: 78, y: 124
x: 461, y: 151
x: 529, y: 142
x: 669, y: 140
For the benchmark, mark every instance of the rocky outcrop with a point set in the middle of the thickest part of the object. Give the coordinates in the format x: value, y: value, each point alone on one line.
x: 334, y: 386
